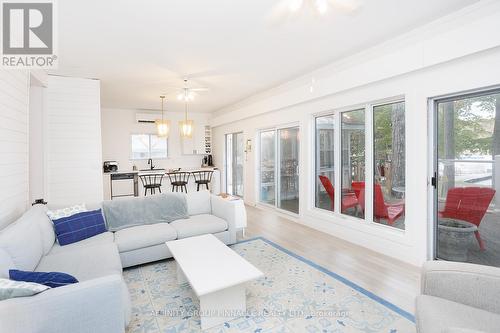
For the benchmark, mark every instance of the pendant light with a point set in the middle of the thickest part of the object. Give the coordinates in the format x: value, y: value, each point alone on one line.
x: 186, y: 125
x: 162, y: 125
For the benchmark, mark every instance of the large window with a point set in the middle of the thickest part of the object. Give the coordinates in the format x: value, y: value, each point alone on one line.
x: 279, y: 168
x: 380, y: 195
x: 389, y: 164
x: 325, y: 162
x: 353, y: 163
x: 145, y: 146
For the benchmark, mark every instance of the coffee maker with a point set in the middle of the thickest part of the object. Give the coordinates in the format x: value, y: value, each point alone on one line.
x: 207, y: 161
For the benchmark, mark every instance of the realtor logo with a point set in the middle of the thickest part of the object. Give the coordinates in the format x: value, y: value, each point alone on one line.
x: 28, y: 34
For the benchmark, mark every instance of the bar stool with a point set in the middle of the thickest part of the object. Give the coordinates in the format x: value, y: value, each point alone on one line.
x: 151, y: 182
x: 179, y: 180
x: 202, y: 178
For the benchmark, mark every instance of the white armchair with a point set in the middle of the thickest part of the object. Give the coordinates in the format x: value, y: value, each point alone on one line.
x: 458, y: 298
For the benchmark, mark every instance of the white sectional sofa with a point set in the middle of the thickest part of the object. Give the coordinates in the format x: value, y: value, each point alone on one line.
x: 100, y: 301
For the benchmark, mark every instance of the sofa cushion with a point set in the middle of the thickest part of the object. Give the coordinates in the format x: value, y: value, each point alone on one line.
x: 104, y: 238
x: 46, y: 228
x: 84, y: 264
x: 434, y: 315
x: 199, y: 225
x: 22, y: 241
x: 78, y: 227
x: 144, y: 236
x: 6, y: 263
x: 199, y: 203
x: 130, y: 212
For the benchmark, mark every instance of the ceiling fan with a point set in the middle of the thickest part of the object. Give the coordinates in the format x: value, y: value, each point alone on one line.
x: 285, y: 9
x: 187, y: 94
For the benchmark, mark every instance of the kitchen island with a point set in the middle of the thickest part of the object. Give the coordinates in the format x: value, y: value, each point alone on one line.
x: 126, y: 183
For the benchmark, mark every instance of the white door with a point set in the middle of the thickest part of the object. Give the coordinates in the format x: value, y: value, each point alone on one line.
x: 73, y: 141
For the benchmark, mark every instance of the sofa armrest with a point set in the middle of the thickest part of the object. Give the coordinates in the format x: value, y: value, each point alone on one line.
x: 469, y: 284
x: 91, y: 306
x: 233, y: 211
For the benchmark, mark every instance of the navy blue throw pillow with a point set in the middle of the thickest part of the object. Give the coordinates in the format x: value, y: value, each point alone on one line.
x: 51, y: 279
x: 78, y: 227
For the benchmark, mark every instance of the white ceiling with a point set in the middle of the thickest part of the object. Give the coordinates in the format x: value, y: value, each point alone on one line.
x: 141, y: 49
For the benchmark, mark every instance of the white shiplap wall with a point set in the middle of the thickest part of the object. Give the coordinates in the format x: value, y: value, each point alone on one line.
x: 14, y: 161
x: 73, y: 141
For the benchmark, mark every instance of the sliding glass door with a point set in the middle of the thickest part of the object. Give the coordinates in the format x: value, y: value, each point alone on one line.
x: 288, y: 195
x: 467, y: 148
x: 268, y: 167
x: 234, y: 164
x: 279, y: 168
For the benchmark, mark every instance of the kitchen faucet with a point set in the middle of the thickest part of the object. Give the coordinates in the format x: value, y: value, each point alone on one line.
x: 150, y: 162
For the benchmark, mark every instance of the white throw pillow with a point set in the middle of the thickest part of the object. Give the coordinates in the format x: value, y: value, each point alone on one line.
x: 65, y: 212
x: 11, y: 289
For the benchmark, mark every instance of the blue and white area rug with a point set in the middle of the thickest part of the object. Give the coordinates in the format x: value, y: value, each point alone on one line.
x: 295, y: 295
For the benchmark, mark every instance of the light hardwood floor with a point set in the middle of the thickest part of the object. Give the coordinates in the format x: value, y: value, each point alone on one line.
x: 393, y: 280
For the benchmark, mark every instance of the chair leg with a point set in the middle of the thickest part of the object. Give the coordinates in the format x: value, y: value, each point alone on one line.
x: 480, y: 240
x: 206, y: 184
x: 159, y: 189
x: 145, y: 191
x: 198, y: 187
x: 185, y: 188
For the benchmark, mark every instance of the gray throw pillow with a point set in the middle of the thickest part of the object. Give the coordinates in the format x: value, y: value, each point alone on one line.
x: 11, y: 289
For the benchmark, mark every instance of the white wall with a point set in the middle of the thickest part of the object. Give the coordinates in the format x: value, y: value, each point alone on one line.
x: 457, y: 53
x: 36, y: 137
x: 14, y: 140
x: 72, y: 140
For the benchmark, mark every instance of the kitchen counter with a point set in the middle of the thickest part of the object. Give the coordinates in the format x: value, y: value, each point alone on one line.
x: 123, y: 183
x: 159, y: 171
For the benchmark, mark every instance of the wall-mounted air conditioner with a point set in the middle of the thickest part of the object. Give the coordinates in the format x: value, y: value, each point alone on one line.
x: 147, y: 117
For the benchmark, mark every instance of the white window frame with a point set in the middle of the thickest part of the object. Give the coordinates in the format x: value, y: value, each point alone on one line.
x: 275, y: 129
x: 149, y: 147
x: 369, y: 162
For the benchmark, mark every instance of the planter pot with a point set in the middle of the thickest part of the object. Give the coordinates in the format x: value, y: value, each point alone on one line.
x: 454, y: 238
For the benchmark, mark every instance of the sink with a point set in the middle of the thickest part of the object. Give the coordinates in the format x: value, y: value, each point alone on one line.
x: 151, y: 170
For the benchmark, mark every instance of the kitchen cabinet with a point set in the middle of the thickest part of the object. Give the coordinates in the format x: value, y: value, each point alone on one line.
x: 200, y: 143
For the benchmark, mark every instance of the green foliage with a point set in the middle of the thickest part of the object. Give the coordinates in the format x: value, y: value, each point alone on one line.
x: 474, y: 121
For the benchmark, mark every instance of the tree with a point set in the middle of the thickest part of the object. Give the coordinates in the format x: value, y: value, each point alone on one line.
x: 449, y: 152
x: 398, y: 144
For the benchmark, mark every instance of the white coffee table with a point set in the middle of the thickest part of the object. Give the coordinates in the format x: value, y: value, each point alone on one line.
x: 217, y: 275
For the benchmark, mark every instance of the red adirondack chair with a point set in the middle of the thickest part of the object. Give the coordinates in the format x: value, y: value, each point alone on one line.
x: 348, y: 201
x: 382, y: 210
x: 468, y: 204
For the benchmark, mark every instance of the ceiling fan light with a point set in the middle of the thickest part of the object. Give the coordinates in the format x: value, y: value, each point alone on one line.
x: 295, y: 5
x: 321, y: 6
